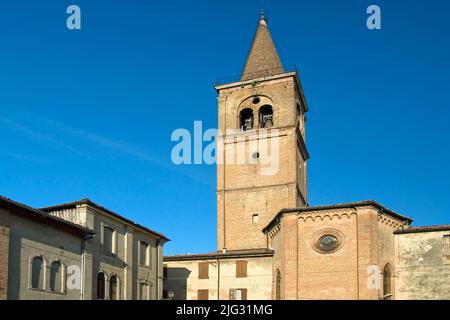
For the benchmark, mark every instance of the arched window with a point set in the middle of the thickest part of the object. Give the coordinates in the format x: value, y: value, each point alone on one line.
x: 101, y: 285
x: 37, y: 273
x: 266, y: 117
x: 387, y: 283
x: 113, y: 284
x: 246, y: 119
x: 56, y: 275
x: 278, y: 286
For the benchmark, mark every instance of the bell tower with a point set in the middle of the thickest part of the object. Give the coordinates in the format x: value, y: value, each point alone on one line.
x: 261, y: 150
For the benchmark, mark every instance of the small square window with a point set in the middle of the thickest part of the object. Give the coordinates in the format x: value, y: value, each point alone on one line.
x: 238, y: 294
x: 203, y: 270
x: 203, y: 294
x: 446, y: 245
x: 255, y: 218
x: 241, y: 269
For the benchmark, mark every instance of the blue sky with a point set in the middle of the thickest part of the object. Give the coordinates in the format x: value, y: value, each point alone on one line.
x: 90, y: 113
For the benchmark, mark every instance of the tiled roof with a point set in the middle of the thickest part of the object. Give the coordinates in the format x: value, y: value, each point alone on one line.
x: 337, y: 206
x: 99, y: 207
x: 442, y: 227
x: 17, y: 207
x: 221, y: 255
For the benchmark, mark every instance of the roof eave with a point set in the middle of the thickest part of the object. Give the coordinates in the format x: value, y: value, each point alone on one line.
x: 277, y: 218
x: 86, y: 201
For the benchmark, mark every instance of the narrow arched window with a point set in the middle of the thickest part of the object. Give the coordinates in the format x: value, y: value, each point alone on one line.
x: 246, y: 119
x: 387, y: 283
x: 37, y: 273
x: 101, y: 285
x: 266, y: 117
x: 113, y: 292
x: 278, y: 286
x: 56, y: 277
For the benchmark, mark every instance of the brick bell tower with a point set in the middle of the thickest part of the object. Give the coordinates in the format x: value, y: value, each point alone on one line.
x: 262, y: 114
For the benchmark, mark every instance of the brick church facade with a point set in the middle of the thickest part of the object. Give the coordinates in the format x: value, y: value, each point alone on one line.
x: 270, y: 243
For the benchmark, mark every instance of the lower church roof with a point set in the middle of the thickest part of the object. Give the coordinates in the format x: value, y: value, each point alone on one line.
x: 442, y: 227
x: 228, y: 254
x: 336, y: 206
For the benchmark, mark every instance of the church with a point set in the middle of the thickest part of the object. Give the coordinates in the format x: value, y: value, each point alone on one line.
x: 271, y: 244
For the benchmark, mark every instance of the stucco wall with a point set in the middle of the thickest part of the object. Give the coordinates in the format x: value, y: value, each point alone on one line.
x: 423, y: 267
x: 124, y: 263
x: 29, y: 239
x: 182, y: 278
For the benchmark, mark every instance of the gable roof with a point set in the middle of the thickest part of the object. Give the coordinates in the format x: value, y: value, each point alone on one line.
x: 87, y: 201
x: 36, y: 214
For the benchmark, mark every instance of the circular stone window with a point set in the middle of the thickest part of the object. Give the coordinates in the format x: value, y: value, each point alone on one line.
x: 256, y: 100
x: 327, y: 241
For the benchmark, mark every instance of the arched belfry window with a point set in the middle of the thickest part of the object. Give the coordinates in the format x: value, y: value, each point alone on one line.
x: 246, y: 119
x: 37, y: 273
x: 387, y: 282
x: 101, y: 286
x: 266, y: 117
x: 278, y: 286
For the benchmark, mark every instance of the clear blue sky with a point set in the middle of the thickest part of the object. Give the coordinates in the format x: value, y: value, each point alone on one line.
x: 90, y: 113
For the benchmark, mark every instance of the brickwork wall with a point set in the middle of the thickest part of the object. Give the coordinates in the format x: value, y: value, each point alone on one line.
x: 4, y: 253
x: 269, y: 184
x: 367, y: 241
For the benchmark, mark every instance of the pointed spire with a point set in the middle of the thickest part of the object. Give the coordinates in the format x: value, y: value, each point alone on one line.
x: 263, y: 58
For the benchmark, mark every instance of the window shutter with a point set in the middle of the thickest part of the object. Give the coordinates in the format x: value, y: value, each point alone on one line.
x: 203, y: 268
x: 203, y: 294
x: 232, y: 294
x: 243, y: 294
x: 447, y: 245
x: 241, y: 269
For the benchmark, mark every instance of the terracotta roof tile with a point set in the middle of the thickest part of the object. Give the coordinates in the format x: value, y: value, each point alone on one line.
x: 442, y: 227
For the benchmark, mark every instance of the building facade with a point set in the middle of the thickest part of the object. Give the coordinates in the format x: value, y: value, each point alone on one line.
x: 350, y: 251
x: 234, y: 275
x: 328, y: 252
x: 422, y: 263
x: 36, y: 252
x: 77, y: 250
